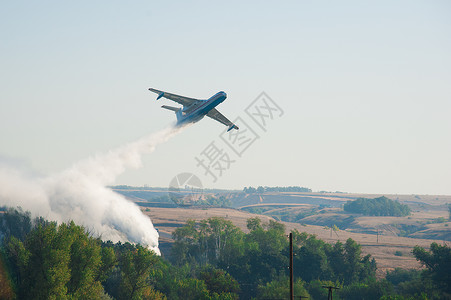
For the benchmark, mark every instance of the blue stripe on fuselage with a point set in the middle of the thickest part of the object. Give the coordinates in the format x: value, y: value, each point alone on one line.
x: 198, y: 113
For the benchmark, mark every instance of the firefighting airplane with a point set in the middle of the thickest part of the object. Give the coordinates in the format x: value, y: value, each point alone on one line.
x: 194, y: 110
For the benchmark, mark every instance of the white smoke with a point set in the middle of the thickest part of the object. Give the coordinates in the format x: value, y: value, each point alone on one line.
x: 80, y: 193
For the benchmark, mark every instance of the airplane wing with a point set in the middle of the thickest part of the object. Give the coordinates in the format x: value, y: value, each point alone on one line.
x: 185, y: 101
x: 216, y: 115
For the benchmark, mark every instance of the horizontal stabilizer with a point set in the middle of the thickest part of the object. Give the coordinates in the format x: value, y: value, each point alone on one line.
x: 185, y: 101
x: 171, y: 107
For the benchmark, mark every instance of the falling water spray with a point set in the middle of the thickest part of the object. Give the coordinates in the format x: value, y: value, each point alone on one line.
x: 79, y: 193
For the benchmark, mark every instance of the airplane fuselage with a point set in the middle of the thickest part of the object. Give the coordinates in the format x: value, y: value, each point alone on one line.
x: 197, y: 111
x: 194, y: 110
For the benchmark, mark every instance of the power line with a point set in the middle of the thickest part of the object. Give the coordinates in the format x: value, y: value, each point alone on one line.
x: 331, y: 288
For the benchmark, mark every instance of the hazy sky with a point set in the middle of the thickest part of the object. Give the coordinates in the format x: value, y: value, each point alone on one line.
x: 365, y: 88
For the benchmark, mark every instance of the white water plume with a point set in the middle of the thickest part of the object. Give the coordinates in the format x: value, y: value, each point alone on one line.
x: 79, y: 193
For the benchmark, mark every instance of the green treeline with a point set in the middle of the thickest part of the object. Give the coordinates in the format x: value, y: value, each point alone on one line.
x: 220, y: 201
x: 381, y: 206
x: 210, y: 259
x: 259, y: 258
x: 43, y: 260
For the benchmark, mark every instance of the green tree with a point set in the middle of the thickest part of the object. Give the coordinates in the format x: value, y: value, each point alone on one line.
x: 6, y: 288
x: 193, y: 289
x: 399, y: 275
x: 254, y: 224
x: 260, y: 256
x: 44, y: 264
x: 438, y: 265
x: 58, y: 262
x: 218, y: 281
x: 381, y: 206
x: 311, y: 261
x: 421, y: 288
x: 372, y: 290
x: 135, y: 270
x: 280, y: 289
x: 347, y: 264
x: 263, y: 252
x: 183, y: 282
x: 277, y: 227
x: 15, y: 222
x: 85, y: 263
x: 210, y: 241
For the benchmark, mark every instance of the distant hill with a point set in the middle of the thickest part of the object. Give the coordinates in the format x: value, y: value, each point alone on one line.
x: 429, y: 218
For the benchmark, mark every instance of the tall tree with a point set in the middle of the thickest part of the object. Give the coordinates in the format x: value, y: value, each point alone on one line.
x: 254, y: 223
x: 311, y: 261
x: 6, y: 289
x: 45, y: 264
x: 59, y: 262
x: 86, y: 266
x: 438, y: 264
x: 135, y: 271
x: 219, y: 281
x: 15, y: 222
x: 280, y: 289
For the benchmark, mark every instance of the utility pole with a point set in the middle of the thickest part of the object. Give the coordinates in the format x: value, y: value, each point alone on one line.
x: 291, y: 268
x: 331, y: 288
